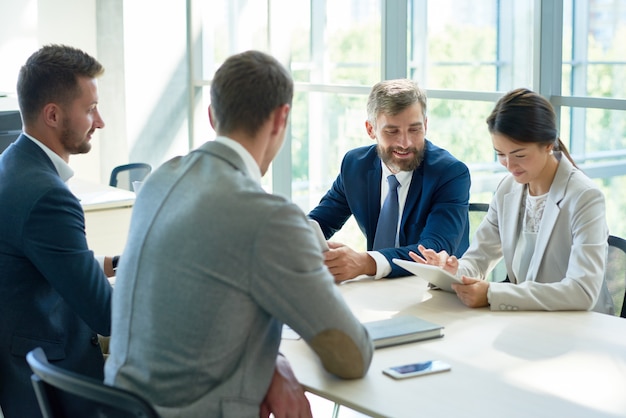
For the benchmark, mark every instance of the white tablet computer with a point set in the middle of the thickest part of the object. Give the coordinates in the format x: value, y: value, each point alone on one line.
x: 433, y: 274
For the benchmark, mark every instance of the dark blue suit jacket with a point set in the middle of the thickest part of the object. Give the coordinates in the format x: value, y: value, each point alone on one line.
x: 53, y: 293
x: 435, y: 213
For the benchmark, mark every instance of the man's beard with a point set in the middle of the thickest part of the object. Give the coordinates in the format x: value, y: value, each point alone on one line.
x: 404, y: 165
x: 73, y: 143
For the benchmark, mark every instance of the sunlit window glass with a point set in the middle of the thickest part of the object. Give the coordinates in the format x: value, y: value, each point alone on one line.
x: 594, y: 51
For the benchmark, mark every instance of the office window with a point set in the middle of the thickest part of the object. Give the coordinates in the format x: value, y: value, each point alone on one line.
x: 594, y: 52
x: 329, y: 46
x: 594, y: 66
x: 590, y: 103
x: 328, y: 119
x: 216, y: 30
x: 465, y: 54
x: 333, y: 72
x: 476, y: 45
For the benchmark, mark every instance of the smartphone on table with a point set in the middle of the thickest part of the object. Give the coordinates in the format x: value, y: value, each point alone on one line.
x: 417, y: 369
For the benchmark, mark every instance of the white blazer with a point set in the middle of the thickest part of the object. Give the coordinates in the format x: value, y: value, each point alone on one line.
x: 566, y: 271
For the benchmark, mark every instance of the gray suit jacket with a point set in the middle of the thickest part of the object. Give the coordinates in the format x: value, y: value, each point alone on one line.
x: 212, y: 268
x: 567, y: 267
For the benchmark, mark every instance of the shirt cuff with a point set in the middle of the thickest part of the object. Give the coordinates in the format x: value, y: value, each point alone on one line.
x: 492, y: 293
x: 383, y: 268
x: 100, y: 260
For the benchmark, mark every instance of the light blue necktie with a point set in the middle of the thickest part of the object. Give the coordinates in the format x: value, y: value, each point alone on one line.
x: 387, y: 228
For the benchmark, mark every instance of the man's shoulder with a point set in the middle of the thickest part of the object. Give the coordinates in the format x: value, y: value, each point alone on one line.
x: 436, y: 152
x: 24, y: 155
x: 358, y: 157
x: 440, y: 158
x: 28, y: 172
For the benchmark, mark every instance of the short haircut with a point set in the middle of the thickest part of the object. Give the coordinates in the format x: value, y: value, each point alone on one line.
x: 391, y: 97
x: 50, y: 75
x: 246, y: 89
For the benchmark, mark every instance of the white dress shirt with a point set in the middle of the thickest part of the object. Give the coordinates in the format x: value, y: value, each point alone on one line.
x: 251, y: 165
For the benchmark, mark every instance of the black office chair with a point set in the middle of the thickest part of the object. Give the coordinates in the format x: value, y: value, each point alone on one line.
x: 615, y: 273
x: 52, y: 384
x: 123, y: 176
x: 477, y: 212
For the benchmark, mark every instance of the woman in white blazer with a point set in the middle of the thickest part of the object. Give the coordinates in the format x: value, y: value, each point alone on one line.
x: 547, y: 219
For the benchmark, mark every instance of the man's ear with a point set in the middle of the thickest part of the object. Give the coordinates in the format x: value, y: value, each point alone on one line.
x: 213, y: 122
x: 52, y: 115
x: 370, y: 130
x: 281, y: 115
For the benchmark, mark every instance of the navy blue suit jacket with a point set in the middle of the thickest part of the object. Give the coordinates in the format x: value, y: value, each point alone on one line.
x: 435, y: 213
x: 53, y: 293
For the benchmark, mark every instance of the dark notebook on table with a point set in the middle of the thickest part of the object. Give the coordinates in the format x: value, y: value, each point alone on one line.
x: 402, y: 329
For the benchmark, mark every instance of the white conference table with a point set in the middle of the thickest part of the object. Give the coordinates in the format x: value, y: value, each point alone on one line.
x: 504, y: 364
x: 107, y: 215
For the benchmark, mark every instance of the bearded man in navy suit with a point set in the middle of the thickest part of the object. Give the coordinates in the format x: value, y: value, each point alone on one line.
x: 433, y: 192
x: 53, y: 291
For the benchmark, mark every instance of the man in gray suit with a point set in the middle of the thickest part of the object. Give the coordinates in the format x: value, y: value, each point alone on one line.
x: 214, y: 266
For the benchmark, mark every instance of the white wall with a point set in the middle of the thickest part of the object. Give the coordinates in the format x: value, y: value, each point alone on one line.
x: 27, y: 25
x: 156, y: 79
x: 18, y: 38
x: 143, y: 92
x: 142, y: 44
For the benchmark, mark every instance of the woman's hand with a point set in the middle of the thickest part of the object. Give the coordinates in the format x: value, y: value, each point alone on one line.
x: 440, y: 259
x: 473, y: 292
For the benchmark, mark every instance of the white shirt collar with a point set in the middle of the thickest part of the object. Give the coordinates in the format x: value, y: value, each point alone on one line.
x: 251, y: 165
x: 404, y: 177
x: 63, y: 169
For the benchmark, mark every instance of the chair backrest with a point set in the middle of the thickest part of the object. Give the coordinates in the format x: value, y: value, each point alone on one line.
x: 477, y: 212
x: 123, y: 176
x: 615, y: 273
x: 54, y: 386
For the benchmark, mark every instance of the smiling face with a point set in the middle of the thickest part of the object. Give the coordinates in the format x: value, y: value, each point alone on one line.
x: 400, y: 138
x: 80, y: 118
x: 530, y: 163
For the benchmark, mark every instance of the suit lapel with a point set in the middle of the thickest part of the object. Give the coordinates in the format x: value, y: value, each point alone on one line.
x: 414, y: 194
x: 510, y: 220
x: 550, y: 215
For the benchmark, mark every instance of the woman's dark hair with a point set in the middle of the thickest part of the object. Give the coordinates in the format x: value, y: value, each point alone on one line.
x: 526, y: 117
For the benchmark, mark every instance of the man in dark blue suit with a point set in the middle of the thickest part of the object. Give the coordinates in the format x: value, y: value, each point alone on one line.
x: 432, y: 194
x: 53, y: 291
